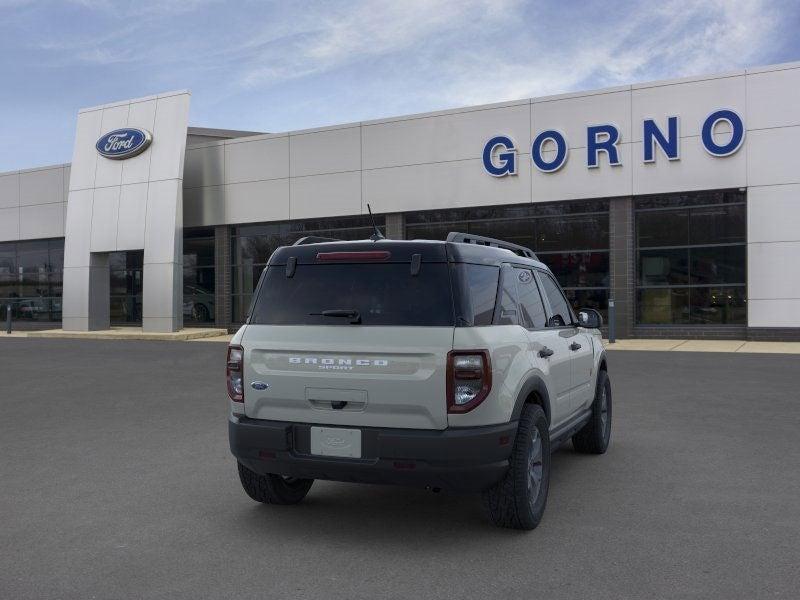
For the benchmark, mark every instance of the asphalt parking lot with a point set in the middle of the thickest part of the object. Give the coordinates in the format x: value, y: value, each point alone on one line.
x: 116, y: 482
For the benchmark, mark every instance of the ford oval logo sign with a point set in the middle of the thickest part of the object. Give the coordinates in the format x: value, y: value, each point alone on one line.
x: 123, y: 143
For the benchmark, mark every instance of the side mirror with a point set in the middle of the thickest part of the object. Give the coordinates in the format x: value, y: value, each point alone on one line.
x: 590, y: 318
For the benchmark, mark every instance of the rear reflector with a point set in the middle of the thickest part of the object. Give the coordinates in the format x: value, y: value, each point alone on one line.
x: 405, y: 466
x: 355, y: 256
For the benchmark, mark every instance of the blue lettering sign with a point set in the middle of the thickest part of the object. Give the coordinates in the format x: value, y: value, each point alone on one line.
x: 507, y: 158
x: 707, y: 134
x: 602, y: 138
x: 500, y: 152
x: 652, y: 135
x: 561, y: 151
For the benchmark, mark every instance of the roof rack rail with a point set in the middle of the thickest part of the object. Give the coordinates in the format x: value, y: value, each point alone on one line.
x: 479, y: 240
x: 313, y: 239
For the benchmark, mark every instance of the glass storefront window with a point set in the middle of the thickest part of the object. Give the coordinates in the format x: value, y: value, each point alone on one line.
x: 572, y: 238
x: 199, y: 277
x: 691, y: 259
x: 126, y: 287
x: 30, y: 279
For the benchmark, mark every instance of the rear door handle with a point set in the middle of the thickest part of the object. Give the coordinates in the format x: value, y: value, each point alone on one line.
x: 574, y: 346
x: 545, y: 352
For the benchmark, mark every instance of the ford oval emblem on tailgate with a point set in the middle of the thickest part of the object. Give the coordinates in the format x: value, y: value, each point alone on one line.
x: 259, y: 385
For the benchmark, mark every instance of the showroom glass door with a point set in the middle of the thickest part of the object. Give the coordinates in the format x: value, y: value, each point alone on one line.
x: 126, y: 287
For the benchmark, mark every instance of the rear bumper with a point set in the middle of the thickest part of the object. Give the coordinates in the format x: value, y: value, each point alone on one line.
x: 462, y: 459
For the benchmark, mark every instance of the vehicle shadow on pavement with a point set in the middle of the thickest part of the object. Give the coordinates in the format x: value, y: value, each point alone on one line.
x: 342, y: 512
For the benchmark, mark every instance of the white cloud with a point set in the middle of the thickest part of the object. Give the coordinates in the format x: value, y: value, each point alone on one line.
x: 326, y: 38
x: 672, y: 40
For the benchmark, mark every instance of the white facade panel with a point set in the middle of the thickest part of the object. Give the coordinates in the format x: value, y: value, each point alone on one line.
x: 43, y: 186
x: 85, y: 157
x: 41, y: 221
x: 442, y: 185
x: 9, y: 190
x: 692, y: 101
x: 575, y: 180
x: 773, y: 313
x: 105, y: 218
x: 572, y: 115
x: 773, y: 99
x: 158, y: 296
x: 257, y: 201
x: 141, y: 115
x: 109, y: 172
x: 169, y: 137
x: 443, y: 138
x: 162, y: 235
x: 696, y: 170
x: 325, y: 195
x: 76, y: 293
x: 132, y: 212
x: 79, y: 214
x: 257, y: 160
x: 773, y: 156
x: 326, y: 151
x: 9, y: 224
x: 772, y: 270
x: 773, y: 213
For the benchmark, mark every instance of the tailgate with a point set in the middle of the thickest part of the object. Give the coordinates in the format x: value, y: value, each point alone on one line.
x: 380, y: 376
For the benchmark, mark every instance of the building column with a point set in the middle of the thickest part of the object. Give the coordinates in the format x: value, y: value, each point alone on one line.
x: 222, y: 276
x: 621, y: 263
x: 395, y: 226
x: 86, y: 302
x: 162, y: 275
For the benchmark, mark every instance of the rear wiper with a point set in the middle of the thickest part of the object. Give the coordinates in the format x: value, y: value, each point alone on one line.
x: 353, y: 315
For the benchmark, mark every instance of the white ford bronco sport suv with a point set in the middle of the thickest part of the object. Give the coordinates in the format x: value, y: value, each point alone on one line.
x: 453, y: 365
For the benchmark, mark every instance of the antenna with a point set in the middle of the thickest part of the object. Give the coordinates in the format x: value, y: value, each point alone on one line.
x: 377, y: 235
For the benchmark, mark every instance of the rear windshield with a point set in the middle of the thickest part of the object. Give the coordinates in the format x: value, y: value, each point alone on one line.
x: 382, y: 294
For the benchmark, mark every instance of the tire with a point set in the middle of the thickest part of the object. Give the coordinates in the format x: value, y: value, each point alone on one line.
x: 273, y: 489
x: 596, y: 434
x: 518, y: 500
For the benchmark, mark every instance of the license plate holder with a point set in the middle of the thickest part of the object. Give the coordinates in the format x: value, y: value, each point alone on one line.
x: 336, y: 441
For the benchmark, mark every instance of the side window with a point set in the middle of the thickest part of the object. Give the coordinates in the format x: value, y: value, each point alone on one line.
x: 507, y: 297
x: 530, y: 302
x: 561, y: 313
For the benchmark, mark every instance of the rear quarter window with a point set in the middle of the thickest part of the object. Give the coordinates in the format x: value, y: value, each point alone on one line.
x: 477, y: 293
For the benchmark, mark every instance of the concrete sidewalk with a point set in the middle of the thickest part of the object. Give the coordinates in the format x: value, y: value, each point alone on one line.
x: 705, y: 346
x: 121, y: 333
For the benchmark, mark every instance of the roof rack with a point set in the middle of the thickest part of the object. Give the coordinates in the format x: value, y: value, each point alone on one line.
x: 479, y: 240
x: 313, y: 239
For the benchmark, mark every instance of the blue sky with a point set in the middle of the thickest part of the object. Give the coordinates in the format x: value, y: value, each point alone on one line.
x: 277, y: 66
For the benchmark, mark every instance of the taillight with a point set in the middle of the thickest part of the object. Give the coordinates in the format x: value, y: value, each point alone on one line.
x: 235, y: 373
x: 469, y: 379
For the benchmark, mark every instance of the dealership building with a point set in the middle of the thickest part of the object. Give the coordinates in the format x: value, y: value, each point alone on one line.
x: 677, y: 200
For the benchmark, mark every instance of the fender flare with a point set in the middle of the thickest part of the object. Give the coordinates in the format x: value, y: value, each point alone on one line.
x: 602, y: 360
x: 535, y: 383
